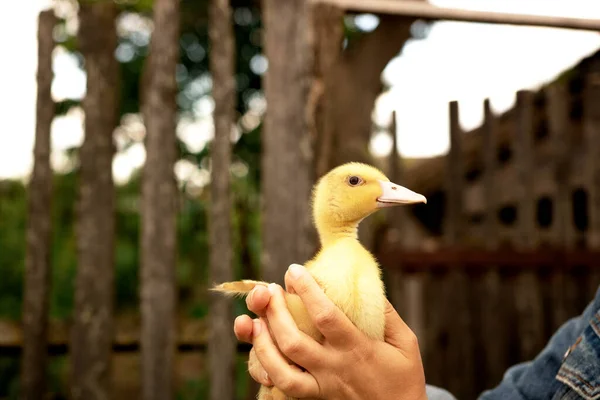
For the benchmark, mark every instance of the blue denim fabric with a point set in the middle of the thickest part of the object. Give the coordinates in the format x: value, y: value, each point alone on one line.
x: 568, y: 368
x: 436, y: 393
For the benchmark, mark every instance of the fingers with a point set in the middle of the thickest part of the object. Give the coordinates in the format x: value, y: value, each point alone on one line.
x: 257, y: 300
x: 256, y: 370
x: 293, y: 343
x: 242, y: 327
x: 326, y: 316
x: 288, y: 284
x: 288, y: 378
x: 397, y: 333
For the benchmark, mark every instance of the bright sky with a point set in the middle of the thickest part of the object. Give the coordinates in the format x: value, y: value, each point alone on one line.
x: 458, y: 61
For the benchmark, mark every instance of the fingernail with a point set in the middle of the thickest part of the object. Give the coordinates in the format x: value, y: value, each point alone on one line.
x: 296, y: 271
x: 256, y: 328
x: 272, y: 288
x: 267, y: 380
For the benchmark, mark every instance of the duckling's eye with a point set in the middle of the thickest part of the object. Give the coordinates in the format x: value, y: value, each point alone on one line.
x: 354, y: 180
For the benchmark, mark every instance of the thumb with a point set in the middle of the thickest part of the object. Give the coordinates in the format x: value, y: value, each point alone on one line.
x: 397, y: 333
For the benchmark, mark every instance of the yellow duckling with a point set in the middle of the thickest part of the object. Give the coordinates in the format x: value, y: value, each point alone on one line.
x: 346, y: 271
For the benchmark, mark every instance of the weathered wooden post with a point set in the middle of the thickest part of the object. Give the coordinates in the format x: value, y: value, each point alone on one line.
x: 529, y: 299
x: 287, y: 155
x: 405, y: 290
x: 493, y: 307
x: 456, y: 289
x: 564, y: 289
x: 222, y: 342
x: 39, y: 226
x: 490, y: 166
x: 92, y: 332
x: 396, y: 226
x: 558, y: 125
x: 591, y: 133
x: 159, y: 207
x: 327, y: 38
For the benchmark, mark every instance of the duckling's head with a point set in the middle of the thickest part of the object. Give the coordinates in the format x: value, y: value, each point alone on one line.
x: 353, y: 191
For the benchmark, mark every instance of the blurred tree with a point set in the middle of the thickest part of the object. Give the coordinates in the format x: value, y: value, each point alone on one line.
x: 222, y: 343
x: 159, y: 206
x: 92, y: 330
x: 39, y: 217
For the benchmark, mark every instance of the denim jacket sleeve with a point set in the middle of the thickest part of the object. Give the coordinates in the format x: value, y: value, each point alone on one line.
x: 567, y: 368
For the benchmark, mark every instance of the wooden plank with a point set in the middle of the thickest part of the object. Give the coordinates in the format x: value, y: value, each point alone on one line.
x: 328, y: 35
x: 490, y: 165
x: 286, y: 157
x: 430, y: 12
x: 192, y: 336
x: 221, y: 345
x: 39, y: 224
x: 523, y: 146
x: 454, y: 224
x: 456, y: 286
x: 481, y: 259
x: 557, y: 114
x: 529, y: 297
x: 435, y: 335
x: 563, y: 228
x: 396, y: 226
x: 493, y: 330
x: 63, y: 349
x: 591, y: 134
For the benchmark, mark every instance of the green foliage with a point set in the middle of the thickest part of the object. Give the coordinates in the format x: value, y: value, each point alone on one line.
x: 9, y: 378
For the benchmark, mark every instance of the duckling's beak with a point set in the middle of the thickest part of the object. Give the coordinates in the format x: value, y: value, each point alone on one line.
x: 394, y: 195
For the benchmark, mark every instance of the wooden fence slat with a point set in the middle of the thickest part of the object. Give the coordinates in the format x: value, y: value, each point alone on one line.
x: 193, y: 335
x: 526, y: 232
x: 562, y: 226
x: 490, y: 165
x: 159, y: 206
x: 94, y: 283
x: 286, y: 154
x: 493, y: 338
x: 591, y: 134
x: 558, y: 125
x: 455, y: 221
x: 435, y: 350
x: 328, y: 35
x: 512, y: 259
x: 456, y: 290
x: 37, y: 262
x: 221, y: 346
x: 528, y: 298
x: 395, y: 218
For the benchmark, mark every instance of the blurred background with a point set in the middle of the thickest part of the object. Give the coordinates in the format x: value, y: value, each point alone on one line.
x: 143, y: 158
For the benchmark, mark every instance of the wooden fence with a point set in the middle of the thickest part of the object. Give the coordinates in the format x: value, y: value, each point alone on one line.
x: 492, y: 293
x: 477, y: 313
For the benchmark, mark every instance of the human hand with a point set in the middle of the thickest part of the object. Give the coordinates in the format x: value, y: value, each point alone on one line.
x: 347, y: 365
